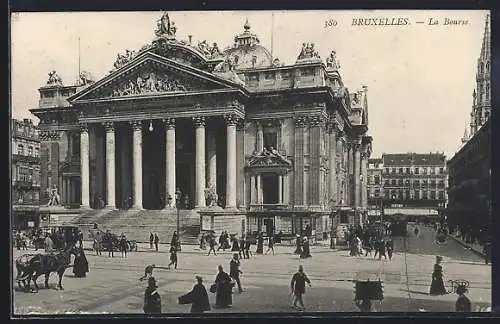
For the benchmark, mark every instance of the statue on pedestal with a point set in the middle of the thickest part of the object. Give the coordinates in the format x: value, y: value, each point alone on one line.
x: 54, y: 79
x: 55, y: 199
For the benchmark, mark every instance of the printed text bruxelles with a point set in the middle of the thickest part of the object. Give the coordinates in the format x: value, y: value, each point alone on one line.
x: 380, y: 21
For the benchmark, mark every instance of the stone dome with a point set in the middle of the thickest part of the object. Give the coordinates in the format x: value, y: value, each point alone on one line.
x: 247, y: 53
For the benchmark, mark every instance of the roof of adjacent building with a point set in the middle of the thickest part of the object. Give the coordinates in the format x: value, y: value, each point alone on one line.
x: 427, y: 159
x: 375, y: 161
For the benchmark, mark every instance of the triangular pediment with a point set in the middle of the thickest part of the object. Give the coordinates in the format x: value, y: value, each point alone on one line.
x: 268, y: 159
x: 152, y: 75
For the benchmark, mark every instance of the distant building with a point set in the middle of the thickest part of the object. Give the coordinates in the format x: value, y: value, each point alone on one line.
x: 469, y: 206
x: 412, y: 185
x: 375, y: 187
x: 25, y: 173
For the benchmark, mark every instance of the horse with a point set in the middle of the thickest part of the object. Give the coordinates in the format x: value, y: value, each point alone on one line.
x: 31, y: 266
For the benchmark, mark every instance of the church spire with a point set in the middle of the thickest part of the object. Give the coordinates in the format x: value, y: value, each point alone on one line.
x: 485, y: 49
x: 465, y: 138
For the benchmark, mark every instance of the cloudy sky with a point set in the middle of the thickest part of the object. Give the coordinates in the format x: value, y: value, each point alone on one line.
x: 420, y: 78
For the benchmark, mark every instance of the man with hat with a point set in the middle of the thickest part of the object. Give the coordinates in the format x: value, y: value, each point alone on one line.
x: 298, y: 286
x: 234, y: 270
x: 463, y: 303
x: 198, y: 297
x: 152, y: 299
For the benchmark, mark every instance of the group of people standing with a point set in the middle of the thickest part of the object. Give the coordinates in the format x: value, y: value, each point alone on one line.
x: 302, y: 247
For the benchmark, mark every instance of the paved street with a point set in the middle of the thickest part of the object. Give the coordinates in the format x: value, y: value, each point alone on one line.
x: 112, y: 284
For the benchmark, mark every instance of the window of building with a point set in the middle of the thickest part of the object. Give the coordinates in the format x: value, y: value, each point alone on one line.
x: 424, y: 195
x: 270, y: 140
x: 441, y: 170
x: 377, y: 193
x: 441, y: 195
x: 400, y: 182
x: 400, y: 170
x: 30, y: 150
x: 424, y: 170
x: 386, y: 170
x: 417, y: 170
x: 433, y: 195
x: 386, y: 182
x: 387, y: 193
x: 37, y: 151
x: 377, y: 180
x: 269, y: 75
x: 407, y: 170
x: 400, y: 194
x: 433, y: 183
x: 20, y: 149
x: 416, y: 183
x: 393, y: 182
x: 431, y: 170
x: 441, y: 184
x: 424, y: 183
x: 417, y: 194
x: 407, y: 194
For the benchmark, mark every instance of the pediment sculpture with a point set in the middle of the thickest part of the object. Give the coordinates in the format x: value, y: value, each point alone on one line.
x: 308, y: 51
x: 54, y: 79
x: 122, y: 59
x: 147, y: 83
x: 268, y: 158
x: 207, y: 50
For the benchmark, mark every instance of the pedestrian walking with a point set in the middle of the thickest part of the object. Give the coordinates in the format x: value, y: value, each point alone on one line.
x: 260, y: 244
x: 151, y: 240
x: 197, y: 297
x: 152, y: 299
x: 298, y: 287
x: 157, y: 240
x: 389, y: 246
x: 242, y: 247
x: 223, y: 289
x: 123, y: 245
x: 463, y: 303
x: 306, y: 252
x: 437, y: 284
x: 108, y: 238
x: 381, y: 251
x: 80, y: 264
x: 202, y: 242
x: 234, y: 270
x: 212, y: 244
x: 148, y: 272
x: 248, y: 244
x: 270, y: 245
x: 368, y: 248
x: 298, y: 245
x: 173, y: 257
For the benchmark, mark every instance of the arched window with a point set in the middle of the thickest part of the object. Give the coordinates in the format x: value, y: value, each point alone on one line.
x: 487, y: 66
x: 481, y: 67
x: 37, y: 151
x: 20, y: 149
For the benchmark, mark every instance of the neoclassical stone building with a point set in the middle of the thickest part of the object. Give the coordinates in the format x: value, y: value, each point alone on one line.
x: 275, y: 146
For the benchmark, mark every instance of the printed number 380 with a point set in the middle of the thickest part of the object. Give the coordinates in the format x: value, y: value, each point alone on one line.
x: 330, y: 23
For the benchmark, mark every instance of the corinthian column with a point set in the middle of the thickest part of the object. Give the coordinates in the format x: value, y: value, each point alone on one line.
x: 170, y: 161
x: 364, y: 184
x: 259, y: 139
x: 199, y: 123
x: 137, y: 163
x: 84, y: 165
x: 110, y: 164
x: 212, y: 160
x: 357, y: 167
x: 231, y: 122
x: 332, y: 159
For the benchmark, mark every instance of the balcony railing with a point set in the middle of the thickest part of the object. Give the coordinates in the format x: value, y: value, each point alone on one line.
x: 25, y: 158
x: 264, y: 207
x: 24, y: 183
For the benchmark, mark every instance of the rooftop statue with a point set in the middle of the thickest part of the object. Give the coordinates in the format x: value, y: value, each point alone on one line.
x: 122, y: 59
x: 85, y: 78
x: 54, y: 79
x: 166, y: 28
x: 308, y: 51
x: 332, y: 62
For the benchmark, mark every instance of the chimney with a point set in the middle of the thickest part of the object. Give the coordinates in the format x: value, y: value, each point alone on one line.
x: 190, y: 37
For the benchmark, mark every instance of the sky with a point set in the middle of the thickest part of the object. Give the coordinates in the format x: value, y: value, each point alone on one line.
x: 420, y: 77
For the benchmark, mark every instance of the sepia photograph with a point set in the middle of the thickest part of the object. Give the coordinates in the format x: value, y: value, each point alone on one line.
x: 250, y: 162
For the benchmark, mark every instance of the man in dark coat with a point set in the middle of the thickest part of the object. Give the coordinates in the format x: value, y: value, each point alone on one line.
x: 151, y: 240
x: 108, y: 238
x: 242, y: 247
x: 173, y: 257
x: 298, y: 286
x: 157, y: 240
x: 234, y: 270
x: 270, y: 245
x: 223, y: 296
x: 463, y: 303
x: 211, y: 243
x: 248, y: 243
x: 152, y: 299
x: 260, y: 244
x: 198, y: 297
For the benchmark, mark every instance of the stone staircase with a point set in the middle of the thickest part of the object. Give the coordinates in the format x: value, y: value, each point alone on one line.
x: 137, y: 224
x: 91, y: 216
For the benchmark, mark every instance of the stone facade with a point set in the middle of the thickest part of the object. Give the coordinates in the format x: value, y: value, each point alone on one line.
x: 178, y: 121
x: 25, y: 173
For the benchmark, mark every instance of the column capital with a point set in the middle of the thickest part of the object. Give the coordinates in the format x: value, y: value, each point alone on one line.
x: 84, y: 127
x: 136, y: 124
x: 316, y: 121
x: 109, y: 126
x: 169, y: 123
x: 199, y: 121
x: 301, y: 121
x: 231, y: 119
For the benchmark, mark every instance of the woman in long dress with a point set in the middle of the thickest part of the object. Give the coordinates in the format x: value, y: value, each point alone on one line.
x: 81, y: 265
x: 437, y: 284
x: 223, y: 295
x: 198, y: 297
